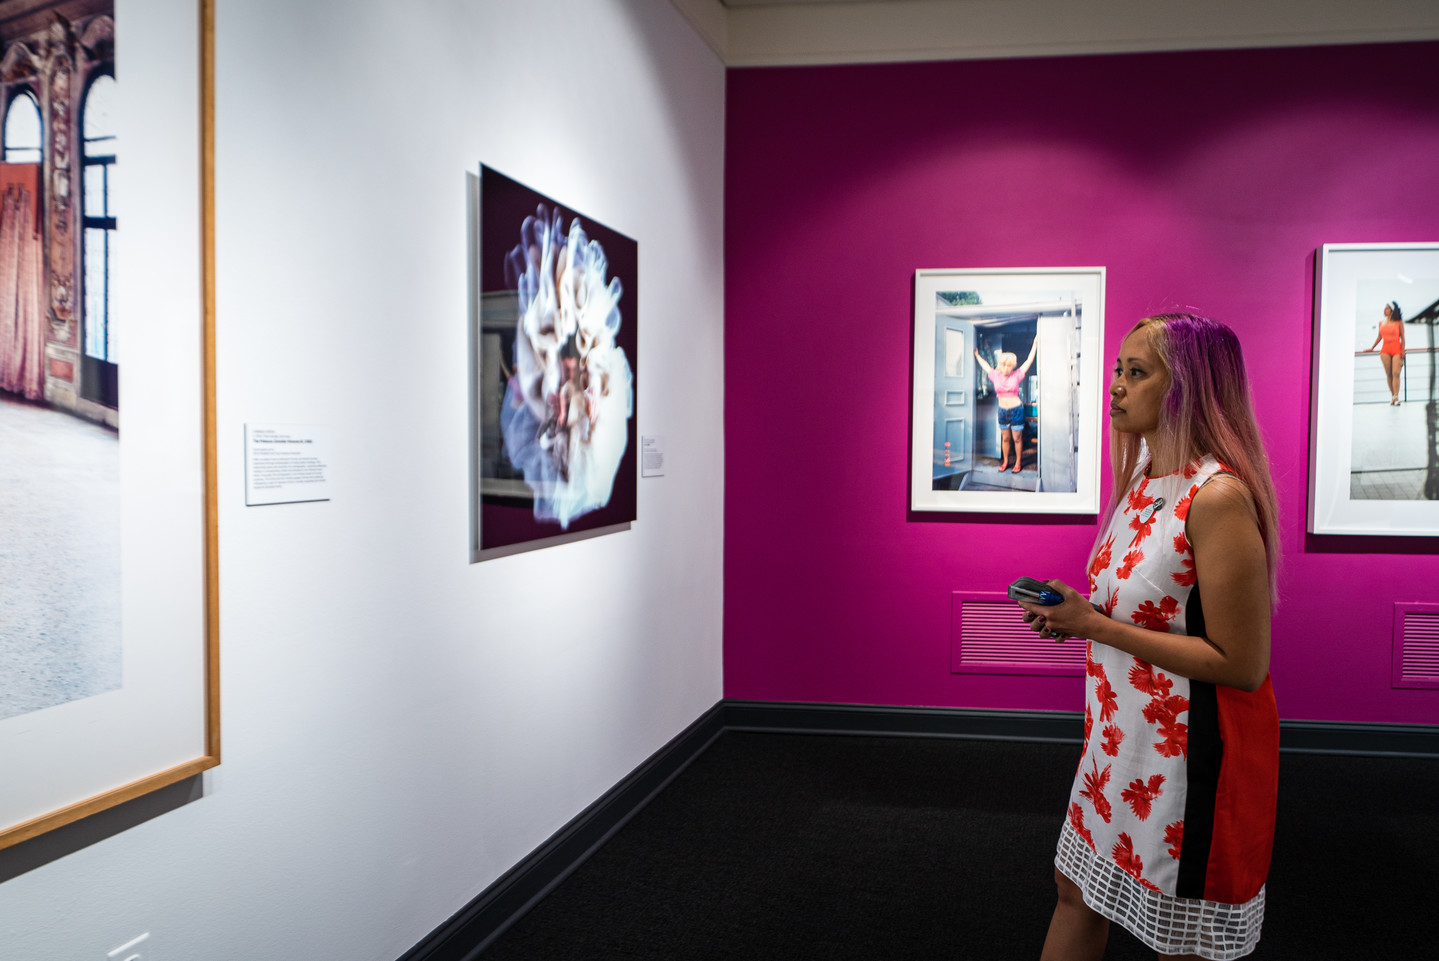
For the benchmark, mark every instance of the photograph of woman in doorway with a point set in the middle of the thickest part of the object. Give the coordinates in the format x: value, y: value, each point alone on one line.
x: 1007, y: 379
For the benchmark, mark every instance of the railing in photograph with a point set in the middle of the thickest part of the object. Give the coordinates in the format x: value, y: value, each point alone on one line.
x: 1370, y: 386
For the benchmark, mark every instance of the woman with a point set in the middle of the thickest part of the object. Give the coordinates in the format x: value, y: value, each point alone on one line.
x: 1006, y: 382
x: 1391, y: 355
x: 1171, y: 818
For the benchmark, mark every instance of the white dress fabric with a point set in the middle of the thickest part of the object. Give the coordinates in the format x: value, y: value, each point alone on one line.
x: 1170, y: 820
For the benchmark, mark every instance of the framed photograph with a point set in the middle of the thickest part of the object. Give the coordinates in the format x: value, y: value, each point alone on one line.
x: 1007, y: 384
x: 557, y: 356
x: 109, y: 683
x: 1374, y: 464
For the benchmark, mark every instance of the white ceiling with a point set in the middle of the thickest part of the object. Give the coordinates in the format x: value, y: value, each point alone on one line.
x: 776, y: 32
x: 790, y: 3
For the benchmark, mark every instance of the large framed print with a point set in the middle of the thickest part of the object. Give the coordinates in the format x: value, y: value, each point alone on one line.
x: 1374, y: 463
x: 557, y: 360
x: 109, y: 685
x: 1006, y: 390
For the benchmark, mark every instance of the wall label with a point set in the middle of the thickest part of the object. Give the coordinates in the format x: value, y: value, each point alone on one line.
x: 286, y: 463
x: 652, y: 456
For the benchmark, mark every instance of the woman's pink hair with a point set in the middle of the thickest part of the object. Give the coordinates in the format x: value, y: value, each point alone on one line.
x: 1207, y: 410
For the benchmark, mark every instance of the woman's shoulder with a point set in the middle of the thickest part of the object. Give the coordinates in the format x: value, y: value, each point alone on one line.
x: 1221, y: 493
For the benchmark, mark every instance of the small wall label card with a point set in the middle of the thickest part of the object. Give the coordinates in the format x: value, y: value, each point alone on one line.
x: 286, y: 463
x: 652, y: 456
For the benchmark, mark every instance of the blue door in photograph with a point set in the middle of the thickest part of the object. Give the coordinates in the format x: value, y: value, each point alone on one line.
x: 954, y: 369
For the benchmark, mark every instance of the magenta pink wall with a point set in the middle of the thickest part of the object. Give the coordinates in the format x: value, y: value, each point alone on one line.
x: 1205, y: 179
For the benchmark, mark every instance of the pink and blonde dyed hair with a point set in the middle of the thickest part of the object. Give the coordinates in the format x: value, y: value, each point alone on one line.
x: 1207, y: 410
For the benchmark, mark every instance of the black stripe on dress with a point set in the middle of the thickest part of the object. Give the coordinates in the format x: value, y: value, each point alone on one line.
x: 1205, y: 755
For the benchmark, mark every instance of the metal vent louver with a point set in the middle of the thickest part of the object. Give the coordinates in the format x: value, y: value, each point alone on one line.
x: 988, y: 636
x: 1416, y: 645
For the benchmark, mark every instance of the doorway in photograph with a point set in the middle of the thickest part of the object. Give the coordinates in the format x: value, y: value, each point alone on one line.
x: 1006, y: 412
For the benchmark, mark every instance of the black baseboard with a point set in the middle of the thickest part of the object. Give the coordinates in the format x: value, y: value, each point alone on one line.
x: 501, y: 904
x: 1295, y: 737
x: 866, y: 719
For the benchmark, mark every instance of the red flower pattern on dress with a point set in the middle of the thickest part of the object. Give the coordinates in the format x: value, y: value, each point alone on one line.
x: 1181, y: 510
x: 1125, y: 857
x: 1113, y: 737
x: 1093, y: 790
x: 1190, y: 470
x: 1101, y: 561
x: 1127, y: 568
x: 1168, y: 707
x: 1104, y: 693
x: 1102, y: 689
x: 1140, y: 505
x: 1076, y: 820
x: 1186, y: 577
x: 1156, y: 618
x: 1142, y: 525
x: 1138, y: 500
x: 1143, y: 678
x: 1140, y: 796
x: 1110, y: 602
x: 1176, y: 739
x: 1164, y: 712
x: 1173, y: 836
x: 1130, y: 862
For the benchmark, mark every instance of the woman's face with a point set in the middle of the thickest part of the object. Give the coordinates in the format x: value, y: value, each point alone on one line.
x: 1139, y: 385
x: 1388, y: 312
x: 1006, y: 364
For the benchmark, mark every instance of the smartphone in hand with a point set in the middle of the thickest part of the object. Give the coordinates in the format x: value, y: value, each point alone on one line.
x: 1034, y: 591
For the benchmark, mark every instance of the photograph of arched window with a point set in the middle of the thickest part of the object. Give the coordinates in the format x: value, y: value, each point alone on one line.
x: 59, y: 399
x: 97, y: 219
x: 22, y: 128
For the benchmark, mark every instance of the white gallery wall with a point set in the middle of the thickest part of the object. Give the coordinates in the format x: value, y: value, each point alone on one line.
x: 400, y: 726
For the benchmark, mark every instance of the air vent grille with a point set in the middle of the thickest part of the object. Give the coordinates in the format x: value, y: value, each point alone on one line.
x: 1416, y: 645
x: 988, y: 636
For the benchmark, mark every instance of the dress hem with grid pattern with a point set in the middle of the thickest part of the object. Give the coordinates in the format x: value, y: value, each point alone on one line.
x: 1167, y: 924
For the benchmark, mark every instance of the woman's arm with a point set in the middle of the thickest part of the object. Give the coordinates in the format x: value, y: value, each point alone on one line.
x: 1033, y: 346
x: 1377, y: 338
x: 987, y: 369
x: 1233, y: 575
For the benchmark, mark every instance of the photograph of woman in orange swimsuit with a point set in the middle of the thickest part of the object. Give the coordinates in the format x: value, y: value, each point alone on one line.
x: 1391, y: 355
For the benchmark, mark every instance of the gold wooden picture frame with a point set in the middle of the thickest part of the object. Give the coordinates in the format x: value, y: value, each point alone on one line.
x: 160, y: 723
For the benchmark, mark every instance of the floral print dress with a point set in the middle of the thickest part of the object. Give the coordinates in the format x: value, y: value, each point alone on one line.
x: 1171, y: 818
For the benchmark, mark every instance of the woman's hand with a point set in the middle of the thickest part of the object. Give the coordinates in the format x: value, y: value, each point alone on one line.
x: 1071, y: 617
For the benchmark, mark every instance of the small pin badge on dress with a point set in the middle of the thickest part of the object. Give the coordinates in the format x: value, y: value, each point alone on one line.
x: 1149, y: 511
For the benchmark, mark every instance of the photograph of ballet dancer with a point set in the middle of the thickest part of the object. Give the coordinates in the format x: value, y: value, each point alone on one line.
x: 556, y: 371
x: 1003, y: 359
x: 1376, y: 391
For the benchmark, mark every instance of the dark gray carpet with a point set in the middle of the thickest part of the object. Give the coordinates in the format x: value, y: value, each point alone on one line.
x: 832, y: 847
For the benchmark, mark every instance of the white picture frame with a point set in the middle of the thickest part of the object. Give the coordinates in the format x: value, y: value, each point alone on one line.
x: 956, y: 442
x: 1371, y: 461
